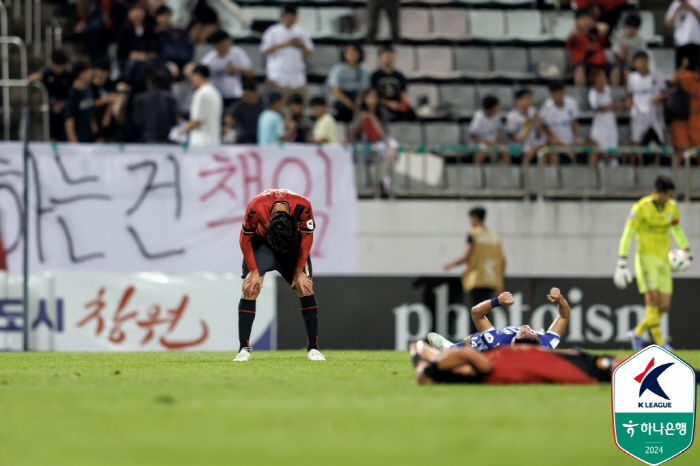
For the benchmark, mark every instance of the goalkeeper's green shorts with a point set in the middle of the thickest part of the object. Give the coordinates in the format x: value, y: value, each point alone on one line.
x: 653, y: 274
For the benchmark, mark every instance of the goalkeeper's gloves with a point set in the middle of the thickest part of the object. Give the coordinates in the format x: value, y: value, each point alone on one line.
x: 623, y: 276
x: 686, y: 265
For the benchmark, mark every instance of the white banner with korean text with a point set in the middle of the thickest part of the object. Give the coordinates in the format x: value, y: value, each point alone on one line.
x: 159, y: 208
x: 78, y: 311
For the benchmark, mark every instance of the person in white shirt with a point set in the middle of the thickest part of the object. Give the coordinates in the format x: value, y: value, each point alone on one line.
x: 523, y: 125
x: 286, y: 46
x: 325, y: 130
x: 559, y: 118
x: 485, y: 129
x: 684, y: 17
x: 227, y: 65
x: 604, y: 130
x: 206, y: 109
x: 646, y: 91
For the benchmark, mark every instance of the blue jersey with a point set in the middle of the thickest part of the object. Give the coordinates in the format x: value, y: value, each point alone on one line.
x: 493, y: 338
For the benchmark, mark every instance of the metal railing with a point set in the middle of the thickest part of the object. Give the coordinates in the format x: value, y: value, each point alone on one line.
x: 54, y: 39
x: 6, y: 83
x: 445, y: 171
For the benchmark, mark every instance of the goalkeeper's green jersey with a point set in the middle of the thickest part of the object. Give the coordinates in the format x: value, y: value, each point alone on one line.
x: 652, y: 225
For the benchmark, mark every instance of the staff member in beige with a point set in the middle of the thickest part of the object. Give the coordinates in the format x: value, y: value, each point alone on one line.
x: 486, y: 264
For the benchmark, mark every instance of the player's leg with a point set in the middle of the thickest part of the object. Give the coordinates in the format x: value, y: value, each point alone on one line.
x: 647, y: 285
x: 664, y: 301
x: 308, y: 305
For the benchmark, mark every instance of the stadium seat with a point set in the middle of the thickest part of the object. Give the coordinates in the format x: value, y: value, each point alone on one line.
x: 460, y: 99
x: 442, y: 133
x: 405, y: 58
x: 501, y: 177
x: 549, y: 56
x: 450, y: 23
x: 416, y: 91
x: 463, y: 177
x: 510, y: 61
x: 313, y: 90
x: 504, y: 94
x: 434, y: 61
x: 322, y: 60
x: 524, y: 24
x: 406, y: 133
x: 473, y: 61
x: 694, y: 182
x: 487, y: 24
x: 264, y: 13
x: 371, y: 61
x: 308, y: 19
x: 415, y: 23
x: 580, y: 94
x: 578, y: 178
x: 200, y: 50
x: 664, y: 60
x: 329, y: 25
x: 618, y: 92
x: 539, y: 94
x: 624, y: 131
x: 253, y: 51
x: 558, y: 24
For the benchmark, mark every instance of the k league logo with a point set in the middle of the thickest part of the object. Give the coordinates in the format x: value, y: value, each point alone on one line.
x: 653, y: 403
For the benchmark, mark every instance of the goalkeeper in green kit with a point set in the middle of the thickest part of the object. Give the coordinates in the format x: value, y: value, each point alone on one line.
x: 650, y: 219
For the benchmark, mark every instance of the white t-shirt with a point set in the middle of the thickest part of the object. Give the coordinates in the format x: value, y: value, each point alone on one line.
x: 604, y: 129
x: 229, y: 85
x: 519, y: 124
x: 559, y: 119
x: 686, y: 26
x: 286, y: 66
x: 486, y: 128
x: 643, y: 89
x: 326, y: 128
x: 206, y: 108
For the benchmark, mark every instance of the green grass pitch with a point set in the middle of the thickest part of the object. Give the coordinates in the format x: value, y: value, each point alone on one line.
x: 357, y: 408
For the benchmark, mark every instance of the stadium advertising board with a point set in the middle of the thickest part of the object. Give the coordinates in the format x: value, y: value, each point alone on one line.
x: 388, y: 312
x: 141, y: 208
x: 132, y: 312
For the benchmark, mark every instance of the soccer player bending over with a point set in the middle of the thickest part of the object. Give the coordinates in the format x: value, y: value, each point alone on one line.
x: 650, y: 219
x: 277, y: 234
x: 488, y: 338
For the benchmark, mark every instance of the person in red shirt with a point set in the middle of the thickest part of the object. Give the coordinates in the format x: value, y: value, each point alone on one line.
x: 515, y: 364
x: 586, y: 44
x: 277, y: 234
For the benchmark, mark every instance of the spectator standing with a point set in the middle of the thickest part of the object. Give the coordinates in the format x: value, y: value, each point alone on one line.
x: 347, y: 81
x: 271, y: 124
x: 228, y: 64
x: 325, y: 129
x: 206, y: 110
x: 245, y: 113
x: 604, y: 130
x: 559, y: 118
x: 628, y: 44
x: 176, y: 47
x: 374, y: 8
x: 103, y: 98
x: 286, y: 45
x: 58, y: 82
x: 485, y: 262
x: 136, y: 41
x: 586, y: 43
x: 391, y: 86
x: 80, y: 116
x: 485, y: 129
x: 646, y: 91
x: 523, y: 125
x: 686, y: 133
x: 684, y: 17
x: 155, y: 111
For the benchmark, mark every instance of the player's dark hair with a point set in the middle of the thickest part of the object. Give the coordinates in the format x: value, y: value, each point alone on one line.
x: 289, y: 10
x: 163, y: 10
x: 584, y: 12
x: 250, y: 84
x: 319, y: 100
x: 202, y: 70
x: 633, y: 20
x: 489, y: 102
x: 664, y: 184
x: 78, y: 68
x: 102, y: 63
x: 640, y: 55
x: 522, y: 93
x: 478, y: 212
x: 528, y: 341
x: 283, y: 235
x: 295, y: 99
x: 555, y: 86
x: 59, y: 57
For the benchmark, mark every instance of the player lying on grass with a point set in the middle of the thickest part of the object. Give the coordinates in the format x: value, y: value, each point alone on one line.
x: 277, y: 234
x: 516, y: 364
x: 487, y: 337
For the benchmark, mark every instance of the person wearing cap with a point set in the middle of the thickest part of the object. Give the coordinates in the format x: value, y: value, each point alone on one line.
x: 286, y: 46
x: 227, y: 64
x: 271, y: 124
x: 391, y: 87
x: 206, y: 108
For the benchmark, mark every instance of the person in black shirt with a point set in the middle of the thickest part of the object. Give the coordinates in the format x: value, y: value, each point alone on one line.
x: 391, y: 87
x: 155, y: 110
x: 136, y: 41
x: 57, y: 80
x: 103, y: 98
x: 80, y: 118
x: 244, y: 114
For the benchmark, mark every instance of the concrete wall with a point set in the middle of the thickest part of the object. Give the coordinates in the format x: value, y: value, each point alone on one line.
x: 540, y: 238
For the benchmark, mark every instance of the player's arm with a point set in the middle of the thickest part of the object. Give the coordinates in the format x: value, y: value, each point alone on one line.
x: 301, y: 282
x: 560, y: 323
x: 464, y: 258
x: 481, y: 322
x: 679, y: 235
x: 623, y: 276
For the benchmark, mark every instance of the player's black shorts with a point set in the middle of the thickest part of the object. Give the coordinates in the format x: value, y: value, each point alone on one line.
x: 267, y: 261
x: 594, y: 365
